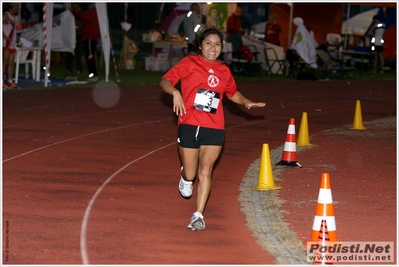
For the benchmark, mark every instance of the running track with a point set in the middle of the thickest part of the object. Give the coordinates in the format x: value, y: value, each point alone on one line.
x: 92, y: 185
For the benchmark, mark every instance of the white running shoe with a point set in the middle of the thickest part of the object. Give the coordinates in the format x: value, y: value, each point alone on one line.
x: 197, y: 222
x: 185, y: 187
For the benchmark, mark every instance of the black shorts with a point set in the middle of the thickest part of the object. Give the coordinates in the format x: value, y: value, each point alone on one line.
x: 379, y: 48
x: 194, y: 136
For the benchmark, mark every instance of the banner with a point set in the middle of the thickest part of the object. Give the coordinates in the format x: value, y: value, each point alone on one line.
x: 304, y: 44
x: 105, y: 36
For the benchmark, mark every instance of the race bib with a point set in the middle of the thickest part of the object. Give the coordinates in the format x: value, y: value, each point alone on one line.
x: 206, y: 100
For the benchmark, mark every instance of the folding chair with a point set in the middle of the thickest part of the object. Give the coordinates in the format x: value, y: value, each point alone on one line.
x: 295, y: 62
x: 231, y: 57
x: 253, y: 67
x: 329, y: 67
x: 274, y: 65
x: 239, y: 62
x: 334, y: 44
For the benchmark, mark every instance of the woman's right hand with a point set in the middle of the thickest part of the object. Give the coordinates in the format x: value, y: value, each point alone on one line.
x: 178, y: 104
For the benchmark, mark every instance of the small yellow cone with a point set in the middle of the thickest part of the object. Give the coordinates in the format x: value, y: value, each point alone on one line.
x: 357, y: 120
x: 265, y: 177
x: 303, y: 136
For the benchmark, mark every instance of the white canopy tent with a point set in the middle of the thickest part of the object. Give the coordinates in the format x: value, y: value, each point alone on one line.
x: 47, y: 31
x: 359, y: 23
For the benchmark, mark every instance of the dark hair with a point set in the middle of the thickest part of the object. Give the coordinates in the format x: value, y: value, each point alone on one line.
x: 197, y: 42
x: 376, y: 17
x: 194, y: 5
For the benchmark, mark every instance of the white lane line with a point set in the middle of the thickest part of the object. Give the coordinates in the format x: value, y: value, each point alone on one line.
x: 77, y: 137
x: 83, y: 231
x: 89, y: 115
x: 83, y: 248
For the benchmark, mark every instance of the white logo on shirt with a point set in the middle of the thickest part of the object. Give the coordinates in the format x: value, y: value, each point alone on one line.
x: 213, y: 80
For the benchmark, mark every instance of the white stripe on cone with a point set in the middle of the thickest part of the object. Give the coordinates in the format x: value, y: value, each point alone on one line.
x: 330, y: 223
x: 291, y: 129
x: 290, y: 146
x: 325, y: 196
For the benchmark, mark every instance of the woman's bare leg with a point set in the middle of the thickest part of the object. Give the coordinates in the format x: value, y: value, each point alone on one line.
x: 189, y: 159
x: 207, y: 158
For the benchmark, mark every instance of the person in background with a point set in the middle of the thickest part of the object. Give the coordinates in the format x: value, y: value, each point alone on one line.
x: 235, y: 29
x: 90, y: 34
x: 9, y: 44
x: 272, y: 30
x: 192, y: 24
x: 75, y: 59
x: 199, y: 106
x: 234, y: 24
x: 377, y: 41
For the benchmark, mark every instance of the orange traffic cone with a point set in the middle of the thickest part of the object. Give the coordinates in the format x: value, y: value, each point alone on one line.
x: 303, y: 136
x: 324, y: 212
x: 289, y: 158
x: 265, y: 177
x: 358, y: 120
x: 322, y: 258
x: 324, y: 235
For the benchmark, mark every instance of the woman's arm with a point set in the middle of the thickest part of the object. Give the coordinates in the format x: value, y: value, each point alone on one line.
x: 238, y: 98
x: 178, y: 104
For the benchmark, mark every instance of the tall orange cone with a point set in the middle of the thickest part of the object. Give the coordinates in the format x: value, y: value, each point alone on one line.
x: 324, y: 211
x: 265, y: 177
x: 323, y: 239
x: 303, y: 136
x: 289, y: 158
x: 358, y: 120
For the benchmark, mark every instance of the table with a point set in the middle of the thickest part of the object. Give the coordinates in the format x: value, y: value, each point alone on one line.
x: 170, y: 46
x: 362, y: 56
x: 21, y: 57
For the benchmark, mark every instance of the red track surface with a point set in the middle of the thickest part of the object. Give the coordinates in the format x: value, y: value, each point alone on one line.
x: 85, y: 184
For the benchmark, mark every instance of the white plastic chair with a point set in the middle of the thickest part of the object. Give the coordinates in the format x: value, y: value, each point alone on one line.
x: 334, y: 41
x: 28, y: 56
x: 333, y: 38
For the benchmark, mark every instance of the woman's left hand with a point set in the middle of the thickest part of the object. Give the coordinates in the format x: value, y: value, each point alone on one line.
x: 250, y: 105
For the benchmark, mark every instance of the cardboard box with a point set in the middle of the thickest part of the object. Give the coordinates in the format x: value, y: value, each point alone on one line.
x: 156, y: 64
x: 163, y: 56
x: 150, y: 37
x: 162, y: 65
x: 150, y: 63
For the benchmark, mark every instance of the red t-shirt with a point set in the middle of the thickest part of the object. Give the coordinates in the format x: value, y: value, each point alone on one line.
x: 233, y: 24
x: 272, y: 33
x: 203, y: 85
x: 91, y: 28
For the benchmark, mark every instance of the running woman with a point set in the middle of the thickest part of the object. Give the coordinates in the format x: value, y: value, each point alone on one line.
x: 204, y: 81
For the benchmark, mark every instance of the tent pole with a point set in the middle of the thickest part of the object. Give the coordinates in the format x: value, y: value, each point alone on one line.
x: 347, y: 27
x: 126, y: 7
x: 290, y: 31
x: 160, y: 13
x: 290, y: 27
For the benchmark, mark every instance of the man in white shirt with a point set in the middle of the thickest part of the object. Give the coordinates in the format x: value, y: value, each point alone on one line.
x: 377, y: 41
x: 192, y: 24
